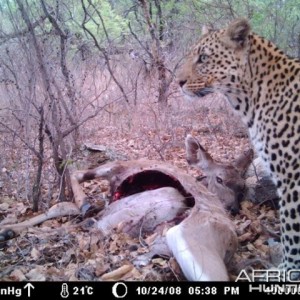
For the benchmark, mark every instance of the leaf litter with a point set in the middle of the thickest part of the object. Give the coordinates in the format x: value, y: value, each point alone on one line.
x: 63, y: 250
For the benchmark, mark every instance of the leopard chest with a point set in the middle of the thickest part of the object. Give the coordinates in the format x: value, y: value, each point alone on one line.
x: 275, y: 133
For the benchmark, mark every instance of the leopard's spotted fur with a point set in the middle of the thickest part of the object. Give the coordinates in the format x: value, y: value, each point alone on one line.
x: 263, y: 86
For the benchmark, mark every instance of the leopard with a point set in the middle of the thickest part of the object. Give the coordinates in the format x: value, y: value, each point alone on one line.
x: 262, y: 84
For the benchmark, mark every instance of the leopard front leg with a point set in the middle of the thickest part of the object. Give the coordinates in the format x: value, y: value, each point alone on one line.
x: 290, y: 229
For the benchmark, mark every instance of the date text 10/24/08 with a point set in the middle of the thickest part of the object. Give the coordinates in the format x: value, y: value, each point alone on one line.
x: 220, y: 289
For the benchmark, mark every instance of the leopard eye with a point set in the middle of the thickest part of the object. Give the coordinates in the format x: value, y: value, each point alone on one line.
x: 219, y: 180
x: 203, y: 58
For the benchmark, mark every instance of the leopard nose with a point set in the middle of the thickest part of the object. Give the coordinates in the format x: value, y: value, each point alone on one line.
x: 182, y: 82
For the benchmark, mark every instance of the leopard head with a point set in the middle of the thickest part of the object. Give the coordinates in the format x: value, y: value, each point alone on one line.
x: 217, y: 62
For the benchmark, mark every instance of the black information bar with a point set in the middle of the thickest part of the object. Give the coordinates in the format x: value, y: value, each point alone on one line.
x: 140, y: 290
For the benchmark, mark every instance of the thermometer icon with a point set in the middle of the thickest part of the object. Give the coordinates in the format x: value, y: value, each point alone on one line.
x: 64, y: 291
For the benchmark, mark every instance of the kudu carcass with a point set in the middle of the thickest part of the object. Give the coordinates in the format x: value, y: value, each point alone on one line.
x: 148, y: 193
x: 202, y: 243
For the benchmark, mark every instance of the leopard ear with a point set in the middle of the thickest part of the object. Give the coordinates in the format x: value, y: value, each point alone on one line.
x: 207, y: 28
x: 237, y: 33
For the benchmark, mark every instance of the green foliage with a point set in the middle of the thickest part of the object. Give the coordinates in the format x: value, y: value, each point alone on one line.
x: 114, y: 23
x: 277, y: 20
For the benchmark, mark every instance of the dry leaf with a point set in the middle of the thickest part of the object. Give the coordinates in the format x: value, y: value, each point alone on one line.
x: 35, y: 253
x: 149, y: 240
x: 142, y: 250
x: 4, y: 206
x: 259, y: 244
x: 101, y: 268
x: 52, y: 271
x: 245, y: 237
x: 243, y: 227
x: 250, y: 247
x: 256, y: 227
x: 174, y: 265
x: 17, y: 275
x: 118, y: 273
x: 159, y: 261
x: 134, y: 274
x: 37, y: 274
x: 70, y: 272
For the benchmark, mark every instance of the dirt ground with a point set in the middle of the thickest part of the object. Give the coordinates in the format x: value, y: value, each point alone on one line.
x: 63, y: 250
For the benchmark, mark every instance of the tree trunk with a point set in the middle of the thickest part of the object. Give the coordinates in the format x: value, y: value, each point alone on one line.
x: 157, y: 53
x: 36, y: 190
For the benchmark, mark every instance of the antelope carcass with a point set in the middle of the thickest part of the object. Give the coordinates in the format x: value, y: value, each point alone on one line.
x: 147, y: 193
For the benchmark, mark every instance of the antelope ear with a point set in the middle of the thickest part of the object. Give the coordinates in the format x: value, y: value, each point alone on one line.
x: 243, y: 162
x: 237, y: 33
x: 196, y: 154
x: 191, y: 149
